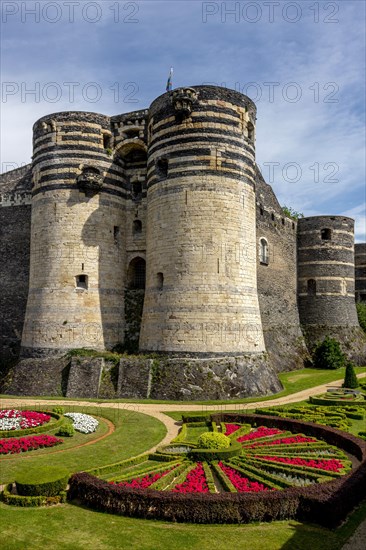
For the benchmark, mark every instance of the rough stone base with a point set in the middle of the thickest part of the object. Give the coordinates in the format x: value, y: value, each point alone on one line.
x: 197, y: 379
x: 85, y: 375
x: 286, y: 348
x: 352, y: 340
x: 38, y: 377
x: 142, y: 377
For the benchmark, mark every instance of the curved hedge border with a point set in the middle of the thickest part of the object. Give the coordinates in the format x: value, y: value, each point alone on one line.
x: 31, y: 501
x: 38, y: 429
x: 326, y: 504
x: 335, y: 402
x: 48, y: 481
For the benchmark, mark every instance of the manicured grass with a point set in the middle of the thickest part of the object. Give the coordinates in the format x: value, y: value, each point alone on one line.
x: 134, y: 434
x: 70, y: 527
x: 293, y: 382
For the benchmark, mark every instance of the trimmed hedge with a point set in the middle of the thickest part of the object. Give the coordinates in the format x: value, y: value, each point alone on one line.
x: 334, y: 402
x: 31, y: 501
x: 48, y: 481
x: 38, y: 429
x: 213, y: 441
x: 203, y: 455
x: 111, y: 468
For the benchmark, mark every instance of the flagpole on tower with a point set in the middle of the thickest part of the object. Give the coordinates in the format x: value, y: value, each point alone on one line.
x: 169, y: 84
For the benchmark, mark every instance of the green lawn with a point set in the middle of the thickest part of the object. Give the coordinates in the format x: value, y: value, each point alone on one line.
x: 134, y: 434
x: 70, y: 527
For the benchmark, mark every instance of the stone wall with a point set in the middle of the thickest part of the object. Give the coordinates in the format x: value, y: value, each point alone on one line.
x: 277, y: 281
x: 360, y: 272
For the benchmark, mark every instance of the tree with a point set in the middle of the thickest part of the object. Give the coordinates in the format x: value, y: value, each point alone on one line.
x: 291, y: 213
x: 328, y: 355
x: 361, y: 312
x: 350, y: 378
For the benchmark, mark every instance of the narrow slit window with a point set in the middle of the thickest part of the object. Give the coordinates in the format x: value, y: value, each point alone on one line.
x: 160, y: 280
x: 263, y: 251
x: 116, y: 232
x: 162, y: 168
x: 311, y: 287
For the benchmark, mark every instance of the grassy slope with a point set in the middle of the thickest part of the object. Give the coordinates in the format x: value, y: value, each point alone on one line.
x: 69, y: 527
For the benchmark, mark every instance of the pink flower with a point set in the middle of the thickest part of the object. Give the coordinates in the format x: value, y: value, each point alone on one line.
x: 195, y: 482
x: 22, y: 444
x: 262, y: 431
x: 330, y: 465
x: 241, y: 483
x: 231, y: 428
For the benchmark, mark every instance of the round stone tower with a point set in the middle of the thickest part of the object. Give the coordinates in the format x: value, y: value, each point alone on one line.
x: 77, y: 261
x: 201, y: 290
x: 360, y: 272
x: 326, y: 271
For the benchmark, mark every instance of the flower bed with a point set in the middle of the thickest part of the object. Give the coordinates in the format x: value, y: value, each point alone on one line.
x: 83, y: 423
x: 231, y: 428
x: 30, y: 443
x: 283, y: 472
x: 242, y: 484
x: 12, y: 419
x: 143, y: 482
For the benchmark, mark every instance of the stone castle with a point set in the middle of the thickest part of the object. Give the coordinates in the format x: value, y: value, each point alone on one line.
x: 154, y: 232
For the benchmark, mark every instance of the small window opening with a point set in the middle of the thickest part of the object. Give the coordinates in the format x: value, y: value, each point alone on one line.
x: 311, y: 287
x: 131, y: 134
x: 162, y: 168
x: 136, y: 189
x: 326, y: 234
x: 261, y: 210
x: 107, y: 141
x: 293, y: 225
x: 160, y: 281
x: 272, y: 217
x: 263, y: 251
x: 82, y: 267
x: 82, y: 281
x: 250, y: 129
x: 283, y: 221
x: 137, y: 227
x: 116, y: 231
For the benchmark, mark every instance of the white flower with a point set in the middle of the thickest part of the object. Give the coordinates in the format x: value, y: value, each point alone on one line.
x: 83, y: 423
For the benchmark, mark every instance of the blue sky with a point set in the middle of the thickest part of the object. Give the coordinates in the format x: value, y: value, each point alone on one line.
x: 302, y: 62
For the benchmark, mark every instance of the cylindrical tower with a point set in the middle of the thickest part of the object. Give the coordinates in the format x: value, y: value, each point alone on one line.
x: 360, y: 272
x: 77, y: 258
x: 326, y: 271
x: 201, y: 289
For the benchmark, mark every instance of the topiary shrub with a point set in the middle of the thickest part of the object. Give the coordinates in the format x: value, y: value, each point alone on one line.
x: 213, y: 440
x: 45, y: 481
x: 350, y: 378
x: 58, y: 410
x: 66, y: 430
x: 328, y: 355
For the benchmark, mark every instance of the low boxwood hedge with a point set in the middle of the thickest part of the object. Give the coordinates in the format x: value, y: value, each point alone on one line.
x: 48, y: 481
x: 31, y: 501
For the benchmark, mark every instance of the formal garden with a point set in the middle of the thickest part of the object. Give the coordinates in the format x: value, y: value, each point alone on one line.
x: 288, y: 473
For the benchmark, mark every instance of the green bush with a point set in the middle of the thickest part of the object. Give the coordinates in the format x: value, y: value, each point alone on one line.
x: 213, y: 440
x: 58, y: 410
x: 48, y: 481
x: 361, y: 312
x: 66, y: 430
x: 350, y: 378
x: 328, y: 355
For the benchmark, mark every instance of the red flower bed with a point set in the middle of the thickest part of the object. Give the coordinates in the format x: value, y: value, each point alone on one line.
x: 231, y: 428
x: 23, y: 444
x: 330, y: 465
x: 241, y: 483
x: 262, y: 431
x: 286, y: 441
x: 195, y: 482
x: 23, y: 419
x: 142, y: 482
